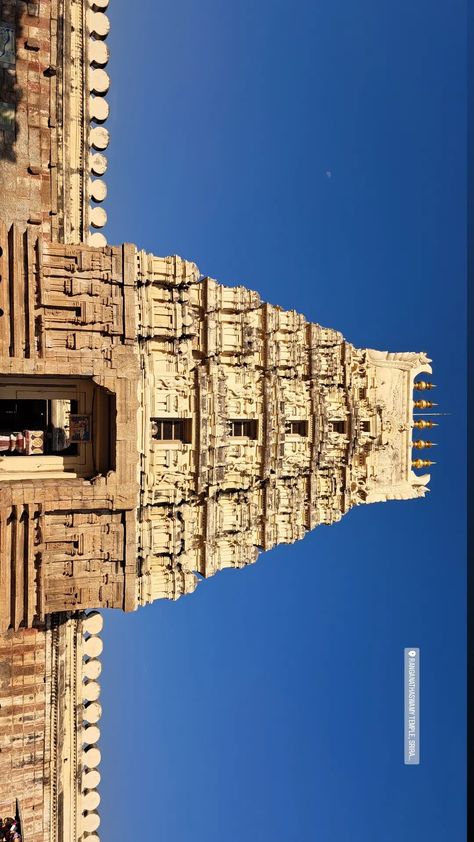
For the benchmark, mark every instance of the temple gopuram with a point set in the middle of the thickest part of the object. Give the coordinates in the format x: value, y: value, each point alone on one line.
x: 156, y: 426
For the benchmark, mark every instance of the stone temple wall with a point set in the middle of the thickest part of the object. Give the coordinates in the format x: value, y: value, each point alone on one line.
x: 49, y: 714
x: 24, y: 681
x: 67, y: 525
x: 52, y: 138
x: 52, y: 114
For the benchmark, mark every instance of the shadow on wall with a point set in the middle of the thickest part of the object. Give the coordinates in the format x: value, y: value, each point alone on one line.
x: 11, y: 95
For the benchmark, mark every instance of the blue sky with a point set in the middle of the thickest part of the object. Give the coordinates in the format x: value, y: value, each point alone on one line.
x: 268, y: 706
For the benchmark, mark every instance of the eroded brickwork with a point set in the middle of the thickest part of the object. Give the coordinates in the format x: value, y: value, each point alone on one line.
x: 52, y: 81
x: 49, y: 731
x: 28, y: 129
x: 24, y: 677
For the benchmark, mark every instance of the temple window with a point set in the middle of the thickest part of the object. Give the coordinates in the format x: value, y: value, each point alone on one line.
x: 297, y: 428
x: 245, y: 427
x: 171, y: 429
x: 365, y: 426
x: 338, y: 427
x: 362, y: 393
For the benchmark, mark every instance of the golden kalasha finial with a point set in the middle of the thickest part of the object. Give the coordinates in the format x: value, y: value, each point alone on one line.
x: 422, y: 463
x: 420, y: 444
x: 424, y: 404
x: 424, y: 384
x: 423, y: 425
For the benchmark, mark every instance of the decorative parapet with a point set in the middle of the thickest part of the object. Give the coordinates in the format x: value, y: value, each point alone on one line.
x: 84, y: 83
x: 74, y: 729
x: 90, y: 735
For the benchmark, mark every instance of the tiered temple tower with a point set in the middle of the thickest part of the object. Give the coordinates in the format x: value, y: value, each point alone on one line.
x: 255, y: 426
x: 159, y: 426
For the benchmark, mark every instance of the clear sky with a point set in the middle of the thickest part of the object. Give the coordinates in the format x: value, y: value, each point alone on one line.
x: 315, y: 151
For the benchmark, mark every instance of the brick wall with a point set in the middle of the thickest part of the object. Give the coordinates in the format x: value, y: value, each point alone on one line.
x: 23, y: 724
x: 28, y: 114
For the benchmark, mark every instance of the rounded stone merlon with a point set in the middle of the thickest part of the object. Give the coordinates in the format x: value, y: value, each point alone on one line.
x: 91, y: 821
x: 98, y: 4
x: 99, y: 138
x: 99, y: 81
x: 90, y: 691
x: 97, y: 189
x: 97, y: 240
x: 97, y: 164
x: 91, y: 779
x: 92, y: 669
x: 98, y: 217
x: 93, y: 622
x: 91, y: 735
x: 92, y: 837
x: 92, y: 712
x: 91, y: 757
x: 98, y: 108
x: 98, y: 24
x: 98, y: 53
x: 93, y: 646
x: 91, y: 800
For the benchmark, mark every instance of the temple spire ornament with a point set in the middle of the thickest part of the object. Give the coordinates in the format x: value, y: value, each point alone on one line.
x: 422, y: 404
x: 422, y: 463
x: 422, y: 424
x: 423, y: 385
x: 420, y: 444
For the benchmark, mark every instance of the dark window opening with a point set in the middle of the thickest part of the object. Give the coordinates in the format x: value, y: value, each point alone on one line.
x: 171, y: 429
x: 362, y: 393
x: 365, y: 426
x: 245, y: 427
x: 297, y: 428
x: 338, y: 427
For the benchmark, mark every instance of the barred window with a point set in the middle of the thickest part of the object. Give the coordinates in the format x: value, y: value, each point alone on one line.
x: 244, y: 427
x: 171, y: 429
x: 297, y: 428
